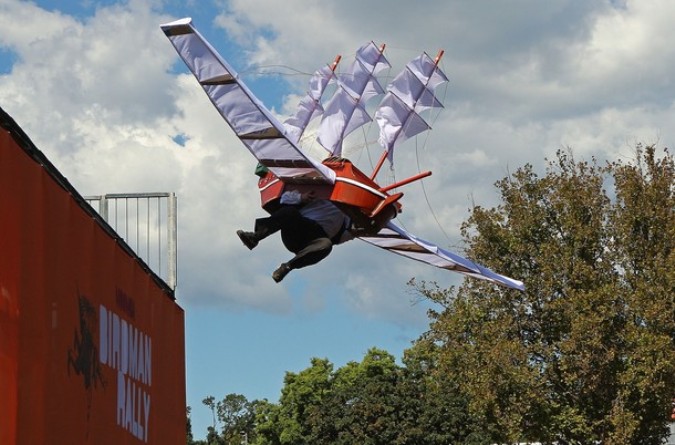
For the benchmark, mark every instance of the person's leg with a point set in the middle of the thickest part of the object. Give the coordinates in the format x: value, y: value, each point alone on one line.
x: 314, y: 252
x: 286, y: 216
x: 309, y: 243
x: 264, y: 227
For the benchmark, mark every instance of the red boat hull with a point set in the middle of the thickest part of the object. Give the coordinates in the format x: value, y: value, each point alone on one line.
x: 353, y: 191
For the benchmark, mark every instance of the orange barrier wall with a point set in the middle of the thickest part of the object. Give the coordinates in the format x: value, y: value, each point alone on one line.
x: 91, y: 344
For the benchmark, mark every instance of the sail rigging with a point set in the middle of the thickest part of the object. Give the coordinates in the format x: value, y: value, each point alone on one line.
x: 310, y: 106
x: 346, y: 111
x: 399, y: 114
x: 408, y: 95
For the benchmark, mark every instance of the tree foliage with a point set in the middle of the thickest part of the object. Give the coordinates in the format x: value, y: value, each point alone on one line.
x: 233, y: 420
x: 586, y: 353
x: 375, y: 401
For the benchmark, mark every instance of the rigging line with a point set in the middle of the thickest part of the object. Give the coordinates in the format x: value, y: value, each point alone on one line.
x: 417, y: 157
x: 365, y: 131
x: 370, y: 158
x: 426, y: 196
x: 419, y: 169
x: 266, y: 69
x: 357, y: 148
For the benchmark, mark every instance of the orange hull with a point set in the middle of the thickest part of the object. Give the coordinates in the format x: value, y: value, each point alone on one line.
x: 353, y: 191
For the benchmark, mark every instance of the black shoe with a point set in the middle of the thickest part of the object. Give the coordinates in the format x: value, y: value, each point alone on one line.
x: 248, y: 238
x: 281, y: 272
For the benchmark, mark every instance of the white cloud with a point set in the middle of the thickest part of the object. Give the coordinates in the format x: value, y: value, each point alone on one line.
x: 97, y: 95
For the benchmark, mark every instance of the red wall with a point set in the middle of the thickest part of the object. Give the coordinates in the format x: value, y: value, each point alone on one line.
x: 91, y: 342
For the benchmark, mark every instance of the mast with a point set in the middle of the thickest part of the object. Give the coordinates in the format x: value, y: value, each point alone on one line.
x: 411, y: 92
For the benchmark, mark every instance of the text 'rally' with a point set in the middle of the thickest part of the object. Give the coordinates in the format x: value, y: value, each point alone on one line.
x: 128, y: 350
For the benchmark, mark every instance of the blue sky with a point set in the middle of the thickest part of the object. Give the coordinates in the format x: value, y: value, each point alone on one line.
x: 101, y: 91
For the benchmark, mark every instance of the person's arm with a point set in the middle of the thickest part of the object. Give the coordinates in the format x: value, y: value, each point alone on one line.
x: 294, y: 197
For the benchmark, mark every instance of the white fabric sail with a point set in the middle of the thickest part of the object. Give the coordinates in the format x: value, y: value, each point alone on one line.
x: 360, y: 81
x: 409, y: 94
x: 310, y: 105
x: 342, y: 115
x: 256, y: 127
x: 399, y: 241
x: 397, y: 122
x: 345, y: 111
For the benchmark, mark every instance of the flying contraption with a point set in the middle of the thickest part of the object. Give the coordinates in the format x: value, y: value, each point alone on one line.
x: 284, y: 165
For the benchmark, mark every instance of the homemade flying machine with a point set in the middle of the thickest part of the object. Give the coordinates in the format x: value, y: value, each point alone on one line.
x: 286, y: 166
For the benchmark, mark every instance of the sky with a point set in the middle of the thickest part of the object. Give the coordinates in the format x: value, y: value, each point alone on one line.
x: 100, y: 90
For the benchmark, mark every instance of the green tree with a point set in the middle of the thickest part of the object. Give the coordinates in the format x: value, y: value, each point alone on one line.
x: 189, y: 438
x: 267, y: 426
x: 290, y: 422
x: 237, y: 417
x: 643, y: 223
x: 234, y: 420
x: 586, y: 353
x: 363, y: 404
x: 433, y: 410
x: 374, y: 401
x: 212, y: 435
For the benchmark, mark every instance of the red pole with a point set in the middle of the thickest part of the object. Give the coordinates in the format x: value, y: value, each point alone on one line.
x: 335, y: 62
x: 405, y: 181
x: 379, y: 165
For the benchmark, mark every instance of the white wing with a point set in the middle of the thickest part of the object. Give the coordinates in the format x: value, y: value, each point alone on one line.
x: 258, y: 129
x: 397, y: 240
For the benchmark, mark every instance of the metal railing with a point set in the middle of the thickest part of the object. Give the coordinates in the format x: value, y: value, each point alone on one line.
x: 147, y: 222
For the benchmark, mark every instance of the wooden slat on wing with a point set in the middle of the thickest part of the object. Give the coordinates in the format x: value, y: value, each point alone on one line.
x: 223, y: 79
